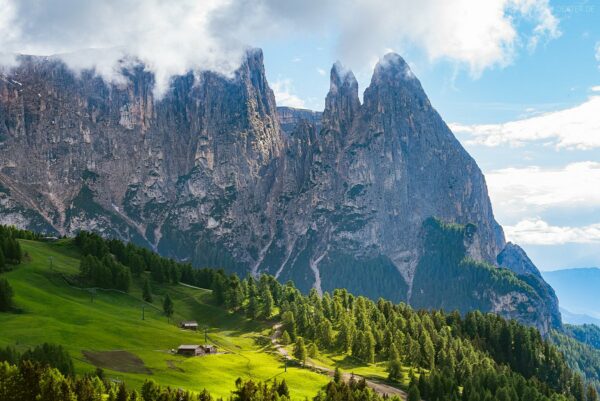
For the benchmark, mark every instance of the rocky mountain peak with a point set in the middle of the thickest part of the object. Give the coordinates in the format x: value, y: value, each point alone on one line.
x: 252, y: 72
x: 513, y: 257
x: 394, y: 84
x: 342, y: 103
x: 244, y: 103
x: 392, y: 67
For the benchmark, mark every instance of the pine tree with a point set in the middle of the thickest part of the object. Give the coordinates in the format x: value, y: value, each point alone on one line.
x: 122, y: 393
x: 267, y: 307
x: 218, y: 288
x: 325, y: 334
x: 395, y: 370
x: 312, y: 350
x: 283, y: 390
x: 252, y: 307
x: 2, y: 260
x: 413, y: 393
x: 13, y: 252
x: 136, y: 264
x: 300, y: 350
x: 337, y: 375
x: 234, y: 295
x: 168, y: 306
x: 6, y: 296
x: 345, y: 336
x: 369, y: 350
x: 288, y: 323
x: 427, y: 351
x: 147, y: 294
x: 285, y: 338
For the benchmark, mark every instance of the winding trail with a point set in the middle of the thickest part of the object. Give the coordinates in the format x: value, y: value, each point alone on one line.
x: 378, y: 386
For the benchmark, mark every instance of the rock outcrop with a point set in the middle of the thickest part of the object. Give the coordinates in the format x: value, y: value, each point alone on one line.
x: 215, y: 174
x: 514, y: 258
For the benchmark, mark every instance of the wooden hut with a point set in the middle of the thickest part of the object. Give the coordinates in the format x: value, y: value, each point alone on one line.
x: 190, y: 350
x: 209, y: 349
x: 189, y: 325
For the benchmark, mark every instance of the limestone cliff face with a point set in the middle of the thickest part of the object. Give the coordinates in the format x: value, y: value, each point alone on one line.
x: 513, y: 257
x: 215, y: 174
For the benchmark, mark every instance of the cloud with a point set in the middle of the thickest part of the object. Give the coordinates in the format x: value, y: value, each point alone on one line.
x: 472, y: 33
x: 321, y: 71
x: 283, y: 89
x: 595, y: 88
x: 538, y: 232
x: 532, y: 190
x: 573, y: 128
x: 171, y: 38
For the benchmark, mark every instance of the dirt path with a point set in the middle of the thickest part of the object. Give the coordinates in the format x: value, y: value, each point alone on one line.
x: 379, y: 387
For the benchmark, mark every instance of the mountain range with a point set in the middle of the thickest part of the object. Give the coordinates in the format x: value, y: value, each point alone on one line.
x: 577, y: 290
x: 376, y: 196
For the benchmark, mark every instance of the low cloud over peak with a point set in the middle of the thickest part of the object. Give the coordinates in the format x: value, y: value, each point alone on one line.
x: 171, y: 38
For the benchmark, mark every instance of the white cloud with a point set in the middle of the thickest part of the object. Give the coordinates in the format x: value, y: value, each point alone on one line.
x: 479, y: 34
x: 534, y: 189
x: 283, y: 89
x: 538, y: 232
x: 321, y: 71
x: 170, y: 38
x: 595, y: 88
x: 174, y: 37
x: 574, y: 128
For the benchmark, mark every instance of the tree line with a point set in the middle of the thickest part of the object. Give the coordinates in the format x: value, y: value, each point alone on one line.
x: 46, y: 354
x: 114, y: 263
x: 10, y: 249
x: 10, y: 255
x: 34, y: 381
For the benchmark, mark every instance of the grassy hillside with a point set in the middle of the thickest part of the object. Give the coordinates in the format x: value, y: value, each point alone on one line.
x: 453, y: 357
x: 52, y: 311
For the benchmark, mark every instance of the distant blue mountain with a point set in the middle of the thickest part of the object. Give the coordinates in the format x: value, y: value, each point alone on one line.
x: 578, y: 319
x: 577, y: 291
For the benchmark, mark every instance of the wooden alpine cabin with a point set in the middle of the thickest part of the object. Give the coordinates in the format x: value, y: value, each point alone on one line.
x: 189, y: 325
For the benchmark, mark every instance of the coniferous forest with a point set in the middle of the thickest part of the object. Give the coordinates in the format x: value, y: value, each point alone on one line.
x: 452, y: 356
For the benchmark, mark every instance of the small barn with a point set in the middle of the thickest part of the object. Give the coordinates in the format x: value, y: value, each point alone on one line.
x: 190, y: 350
x: 189, y: 325
x: 209, y: 349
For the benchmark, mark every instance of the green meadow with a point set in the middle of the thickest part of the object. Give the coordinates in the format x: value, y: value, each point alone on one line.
x: 106, y: 329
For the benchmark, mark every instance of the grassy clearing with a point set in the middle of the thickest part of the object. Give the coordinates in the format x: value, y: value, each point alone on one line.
x: 54, y: 312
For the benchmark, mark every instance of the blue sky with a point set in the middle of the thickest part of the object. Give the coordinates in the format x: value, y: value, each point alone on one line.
x: 557, y: 75
x: 518, y: 81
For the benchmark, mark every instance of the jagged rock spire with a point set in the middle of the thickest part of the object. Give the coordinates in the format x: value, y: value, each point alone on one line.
x: 341, y: 103
x: 394, y: 81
